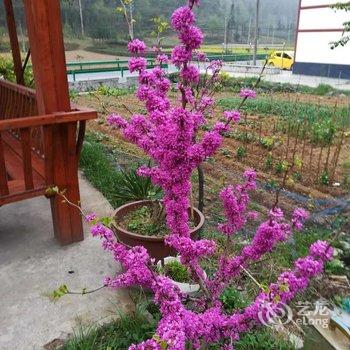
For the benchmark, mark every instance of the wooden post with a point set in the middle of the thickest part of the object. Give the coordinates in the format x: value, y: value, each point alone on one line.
x: 61, y: 159
x: 16, y: 53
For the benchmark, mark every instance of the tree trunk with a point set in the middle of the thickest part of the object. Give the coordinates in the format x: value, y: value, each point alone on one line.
x: 200, y: 188
x: 256, y: 34
x: 81, y: 19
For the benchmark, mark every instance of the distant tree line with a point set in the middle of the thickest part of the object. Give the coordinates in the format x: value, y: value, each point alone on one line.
x: 100, y: 19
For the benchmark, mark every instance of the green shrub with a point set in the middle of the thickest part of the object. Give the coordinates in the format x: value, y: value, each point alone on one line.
x: 241, y: 152
x: 114, y: 91
x: 176, y: 271
x: 226, y: 152
x: 7, y: 72
x: 268, y: 142
x: 297, y: 176
x: 324, y: 178
x: 335, y: 267
x: 132, y: 187
x: 232, y: 300
x: 4, y: 46
x: 269, y: 162
x: 323, y: 89
x: 280, y: 167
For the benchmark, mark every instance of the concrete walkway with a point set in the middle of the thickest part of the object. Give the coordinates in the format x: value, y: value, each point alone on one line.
x: 32, y: 264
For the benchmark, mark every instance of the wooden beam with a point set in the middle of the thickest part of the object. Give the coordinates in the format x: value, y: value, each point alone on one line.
x: 49, y: 67
x: 50, y: 119
x: 16, y: 53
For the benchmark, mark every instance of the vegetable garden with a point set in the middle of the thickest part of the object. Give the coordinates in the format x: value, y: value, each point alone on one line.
x: 276, y: 129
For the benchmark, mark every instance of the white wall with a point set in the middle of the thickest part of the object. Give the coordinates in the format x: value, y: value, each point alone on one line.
x: 322, y: 18
x: 314, y: 47
x: 320, y: 2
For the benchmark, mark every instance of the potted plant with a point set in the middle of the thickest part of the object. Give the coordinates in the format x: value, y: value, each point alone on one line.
x: 179, y: 274
x: 144, y: 223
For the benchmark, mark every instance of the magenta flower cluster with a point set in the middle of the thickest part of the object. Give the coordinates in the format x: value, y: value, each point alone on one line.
x: 169, y: 135
x: 180, y: 326
x: 247, y: 93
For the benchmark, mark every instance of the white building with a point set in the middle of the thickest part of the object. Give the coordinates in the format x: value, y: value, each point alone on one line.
x: 318, y: 26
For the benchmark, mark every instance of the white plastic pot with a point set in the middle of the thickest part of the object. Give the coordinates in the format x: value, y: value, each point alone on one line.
x: 186, y: 288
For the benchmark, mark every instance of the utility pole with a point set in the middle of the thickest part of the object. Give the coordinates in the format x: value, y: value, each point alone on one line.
x: 225, y: 35
x: 132, y: 20
x: 249, y: 30
x: 81, y: 19
x: 256, y: 34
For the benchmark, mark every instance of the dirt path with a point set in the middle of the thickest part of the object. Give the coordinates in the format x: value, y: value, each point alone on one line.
x: 82, y: 55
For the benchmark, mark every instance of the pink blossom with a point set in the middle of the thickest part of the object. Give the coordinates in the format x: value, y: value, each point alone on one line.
x: 190, y: 74
x: 233, y: 115
x: 191, y: 37
x: 162, y: 59
x: 201, y: 56
x: 90, y: 217
x: 137, y: 64
x: 247, y: 93
x: 182, y: 18
x: 136, y: 46
x: 115, y: 120
x: 321, y: 250
x: 149, y: 344
x: 300, y: 215
x: 308, y: 267
x: 180, y: 55
x: 215, y: 66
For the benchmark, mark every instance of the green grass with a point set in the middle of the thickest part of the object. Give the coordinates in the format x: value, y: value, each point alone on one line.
x: 115, y: 48
x: 99, y: 169
x: 118, y: 335
x: 263, y: 339
x: 136, y: 327
x: 285, y: 254
x: 114, y: 91
x: 100, y: 166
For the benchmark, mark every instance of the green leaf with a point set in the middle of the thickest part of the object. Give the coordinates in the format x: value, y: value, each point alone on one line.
x: 107, y: 221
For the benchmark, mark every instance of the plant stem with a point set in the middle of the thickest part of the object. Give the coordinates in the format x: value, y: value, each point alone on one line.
x: 200, y: 187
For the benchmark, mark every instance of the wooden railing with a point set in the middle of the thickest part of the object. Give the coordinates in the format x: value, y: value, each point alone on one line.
x: 26, y: 152
x: 16, y: 101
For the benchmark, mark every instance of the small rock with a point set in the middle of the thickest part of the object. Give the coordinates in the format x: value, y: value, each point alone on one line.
x: 337, y: 252
x: 345, y: 245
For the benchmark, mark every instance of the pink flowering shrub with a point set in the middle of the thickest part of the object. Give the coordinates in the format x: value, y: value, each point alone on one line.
x: 169, y: 135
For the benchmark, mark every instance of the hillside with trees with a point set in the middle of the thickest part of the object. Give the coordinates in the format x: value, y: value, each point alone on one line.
x: 99, y: 19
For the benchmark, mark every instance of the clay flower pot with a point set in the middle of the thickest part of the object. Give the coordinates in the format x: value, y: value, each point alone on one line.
x: 187, y: 288
x: 155, y: 245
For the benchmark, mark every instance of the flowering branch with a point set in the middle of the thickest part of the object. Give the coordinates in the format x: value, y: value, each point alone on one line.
x: 168, y: 133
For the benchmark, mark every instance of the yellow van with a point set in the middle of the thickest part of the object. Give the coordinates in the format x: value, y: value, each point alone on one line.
x: 281, y: 59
